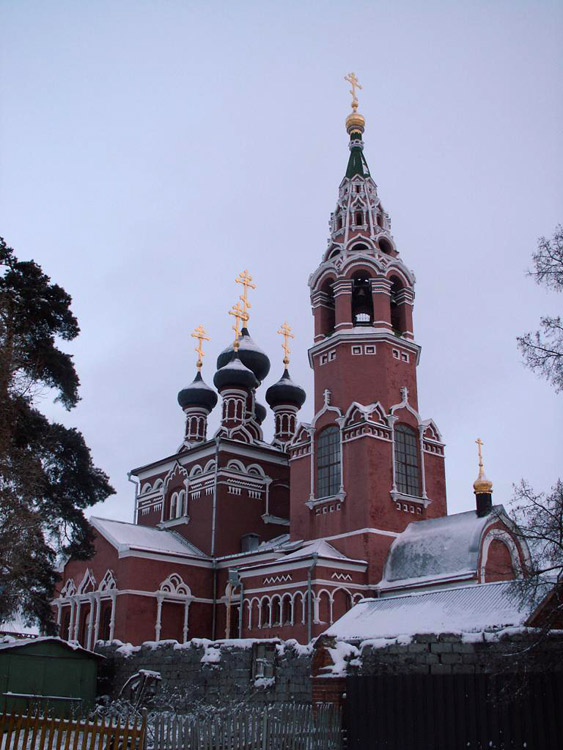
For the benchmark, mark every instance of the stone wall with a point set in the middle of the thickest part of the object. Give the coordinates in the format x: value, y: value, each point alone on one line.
x: 221, y: 673
x: 445, y: 653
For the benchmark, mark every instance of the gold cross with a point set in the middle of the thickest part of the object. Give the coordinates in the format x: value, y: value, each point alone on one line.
x: 353, y: 81
x: 245, y: 279
x: 239, y: 315
x: 201, y: 336
x: 285, y: 331
x: 479, y: 444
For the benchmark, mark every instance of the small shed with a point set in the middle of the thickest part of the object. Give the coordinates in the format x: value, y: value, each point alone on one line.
x: 47, y: 672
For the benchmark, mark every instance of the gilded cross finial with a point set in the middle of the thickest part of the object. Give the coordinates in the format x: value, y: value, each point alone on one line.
x: 240, y: 316
x: 480, y: 443
x: 481, y: 484
x: 245, y: 279
x: 285, y: 331
x: 353, y: 81
x: 201, y: 336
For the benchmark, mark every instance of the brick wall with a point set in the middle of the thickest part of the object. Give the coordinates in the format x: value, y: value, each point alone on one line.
x: 209, y: 672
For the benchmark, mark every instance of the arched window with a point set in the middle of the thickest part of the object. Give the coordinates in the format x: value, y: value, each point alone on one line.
x: 181, y: 502
x: 173, y: 505
x: 105, y: 623
x: 362, y: 301
x: 328, y: 310
x: 407, y: 473
x: 397, y: 311
x: 385, y: 247
x: 328, y: 462
x: 65, y: 623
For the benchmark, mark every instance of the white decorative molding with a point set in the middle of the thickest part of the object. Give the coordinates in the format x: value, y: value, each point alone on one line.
x: 278, y: 579
x: 503, y: 536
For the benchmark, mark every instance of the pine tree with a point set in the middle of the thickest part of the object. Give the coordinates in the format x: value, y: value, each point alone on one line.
x: 47, y: 477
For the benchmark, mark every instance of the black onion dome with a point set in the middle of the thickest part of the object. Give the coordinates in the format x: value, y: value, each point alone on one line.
x: 285, y: 391
x: 250, y: 355
x: 260, y: 412
x: 198, y: 393
x: 235, y: 373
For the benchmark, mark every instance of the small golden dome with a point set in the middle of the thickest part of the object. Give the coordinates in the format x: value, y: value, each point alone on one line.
x: 355, y: 121
x: 482, y: 485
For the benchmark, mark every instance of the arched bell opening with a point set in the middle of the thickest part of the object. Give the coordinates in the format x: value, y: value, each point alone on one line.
x: 359, y: 247
x: 362, y: 301
x: 385, y: 246
x: 328, y: 315
x: 398, y: 318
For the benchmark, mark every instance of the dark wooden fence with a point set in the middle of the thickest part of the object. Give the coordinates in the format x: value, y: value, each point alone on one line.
x: 454, y: 712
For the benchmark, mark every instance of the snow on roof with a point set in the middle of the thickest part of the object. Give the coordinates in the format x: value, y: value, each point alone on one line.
x: 320, y: 548
x: 17, y: 625
x: 274, y: 543
x: 465, y: 609
x: 446, y: 547
x: 125, y: 536
x: 10, y: 643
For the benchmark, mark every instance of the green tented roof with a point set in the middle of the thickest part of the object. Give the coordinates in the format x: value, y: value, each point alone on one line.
x: 357, y: 164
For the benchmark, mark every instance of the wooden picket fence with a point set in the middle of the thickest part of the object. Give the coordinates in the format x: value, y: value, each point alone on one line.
x: 35, y: 731
x: 288, y: 727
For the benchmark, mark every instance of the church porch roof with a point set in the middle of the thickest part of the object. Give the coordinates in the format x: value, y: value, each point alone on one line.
x: 317, y: 550
x: 130, y: 536
x: 464, y: 609
x: 437, y: 550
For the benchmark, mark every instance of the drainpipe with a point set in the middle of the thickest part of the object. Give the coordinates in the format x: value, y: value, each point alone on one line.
x: 240, y: 615
x: 213, y: 530
x: 310, y: 599
x: 214, y: 511
x: 137, y: 484
x: 214, y: 605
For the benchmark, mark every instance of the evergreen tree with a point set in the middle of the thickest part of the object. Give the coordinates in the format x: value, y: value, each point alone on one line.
x: 47, y: 477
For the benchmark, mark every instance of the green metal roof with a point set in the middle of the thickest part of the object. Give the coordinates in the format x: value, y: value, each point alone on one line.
x: 357, y: 164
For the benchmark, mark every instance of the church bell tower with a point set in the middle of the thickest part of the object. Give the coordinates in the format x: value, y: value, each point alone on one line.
x: 368, y: 463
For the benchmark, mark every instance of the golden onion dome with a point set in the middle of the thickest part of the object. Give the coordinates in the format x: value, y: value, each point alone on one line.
x: 482, y: 485
x: 355, y: 121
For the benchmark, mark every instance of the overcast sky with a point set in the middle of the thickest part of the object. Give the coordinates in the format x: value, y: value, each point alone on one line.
x: 152, y: 150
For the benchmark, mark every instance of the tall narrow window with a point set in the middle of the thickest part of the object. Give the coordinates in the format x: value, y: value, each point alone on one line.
x: 105, y: 624
x: 65, y: 624
x: 181, y: 502
x: 397, y: 310
x: 328, y: 462
x: 328, y: 310
x: 407, y: 474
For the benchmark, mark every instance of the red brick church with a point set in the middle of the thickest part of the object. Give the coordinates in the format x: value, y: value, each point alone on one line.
x: 238, y: 537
